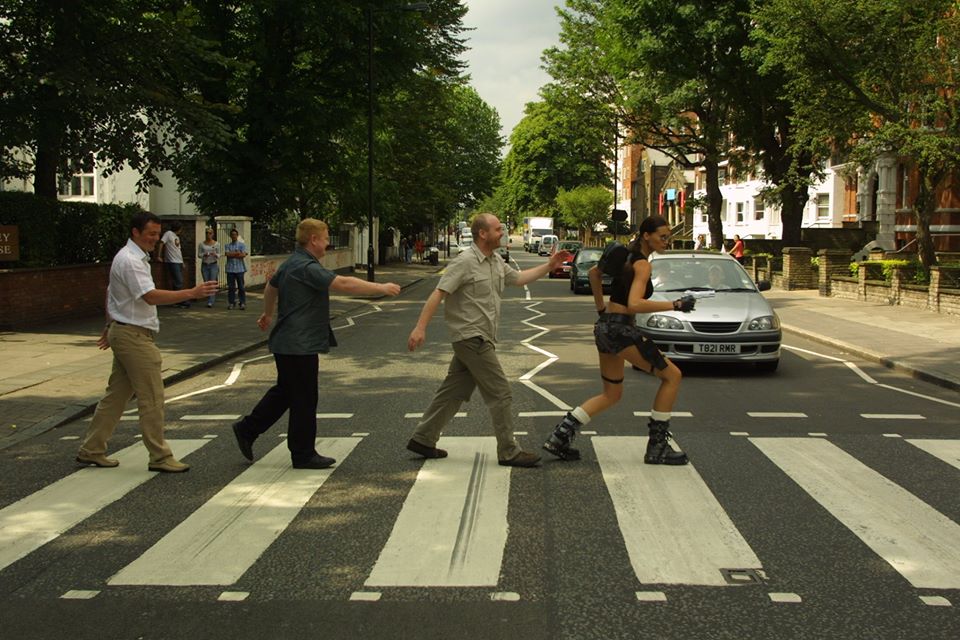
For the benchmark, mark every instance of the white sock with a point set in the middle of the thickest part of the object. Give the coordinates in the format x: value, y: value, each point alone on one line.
x: 660, y: 416
x: 580, y: 415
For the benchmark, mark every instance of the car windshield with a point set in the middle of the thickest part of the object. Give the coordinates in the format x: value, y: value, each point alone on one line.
x: 589, y: 255
x: 569, y: 246
x: 692, y: 274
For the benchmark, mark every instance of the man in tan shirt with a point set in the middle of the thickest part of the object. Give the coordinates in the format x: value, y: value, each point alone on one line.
x: 470, y: 289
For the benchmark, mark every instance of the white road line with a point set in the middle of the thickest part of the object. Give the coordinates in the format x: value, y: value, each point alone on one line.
x: 541, y: 414
x: 527, y: 378
x: 674, y: 414
x: 234, y: 374
x: 233, y: 596
x: 193, y: 393
x: 212, y: 416
x: 946, y: 450
x: 921, y: 395
x: 892, y: 416
x: 32, y: 522
x: 651, y: 596
x: 784, y: 598
x: 857, y: 370
x: 775, y: 414
x: 652, y: 499
x: 452, y: 528
x: 916, y: 540
x: 223, y: 538
x: 458, y: 414
x: 505, y: 596
x: 365, y: 596
x: 79, y: 594
x: 935, y: 601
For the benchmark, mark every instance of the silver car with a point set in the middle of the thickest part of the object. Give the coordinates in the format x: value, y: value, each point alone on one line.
x: 732, y: 321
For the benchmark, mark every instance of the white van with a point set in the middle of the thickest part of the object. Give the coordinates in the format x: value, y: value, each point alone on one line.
x: 547, y: 244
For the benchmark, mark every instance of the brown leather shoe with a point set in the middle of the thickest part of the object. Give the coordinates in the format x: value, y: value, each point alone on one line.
x: 522, y: 459
x: 425, y: 451
x: 170, y: 465
x: 97, y: 460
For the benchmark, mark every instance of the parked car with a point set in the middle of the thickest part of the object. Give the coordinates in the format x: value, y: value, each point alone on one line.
x: 546, y: 245
x: 455, y: 248
x: 568, y: 249
x: 504, y: 248
x: 585, y: 258
x: 737, y: 324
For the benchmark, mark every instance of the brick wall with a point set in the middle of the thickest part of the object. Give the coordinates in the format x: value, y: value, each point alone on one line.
x: 30, y: 297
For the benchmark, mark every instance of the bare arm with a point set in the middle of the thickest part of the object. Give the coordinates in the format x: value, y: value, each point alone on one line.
x: 596, y: 287
x: 535, y: 273
x: 163, y: 296
x: 270, y: 293
x: 636, y: 303
x: 357, y: 287
x: 419, y: 334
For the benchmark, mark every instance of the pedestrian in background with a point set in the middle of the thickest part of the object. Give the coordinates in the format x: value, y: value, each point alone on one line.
x: 302, y: 286
x: 470, y: 288
x: 701, y: 243
x: 209, y: 253
x: 737, y: 250
x: 236, y: 251
x: 403, y: 249
x: 131, y: 328
x: 419, y: 247
x: 619, y: 340
x: 172, y: 256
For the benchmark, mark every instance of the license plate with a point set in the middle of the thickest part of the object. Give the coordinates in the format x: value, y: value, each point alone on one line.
x: 716, y: 348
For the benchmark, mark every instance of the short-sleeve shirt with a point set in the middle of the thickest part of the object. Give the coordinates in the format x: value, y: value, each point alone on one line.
x: 235, y: 265
x: 303, y: 310
x: 171, y: 247
x: 130, y: 279
x: 208, y: 252
x: 474, y: 284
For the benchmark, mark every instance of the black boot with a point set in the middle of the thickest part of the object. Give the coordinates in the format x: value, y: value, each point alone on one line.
x: 659, y: 450
x: 559, y: 441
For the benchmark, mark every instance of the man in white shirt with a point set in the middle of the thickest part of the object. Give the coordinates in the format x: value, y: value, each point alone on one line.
x: 173, y: 258
x: 132, y: 325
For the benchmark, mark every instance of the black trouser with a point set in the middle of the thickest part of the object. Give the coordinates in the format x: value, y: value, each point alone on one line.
x: 296, y: 390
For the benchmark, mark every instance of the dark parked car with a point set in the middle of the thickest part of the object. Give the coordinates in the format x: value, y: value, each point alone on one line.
x: 582, y: 261
x: 734, y: 324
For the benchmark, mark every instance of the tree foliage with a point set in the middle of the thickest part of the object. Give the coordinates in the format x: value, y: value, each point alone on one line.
x: 584, y: 207
x: 880, y: 75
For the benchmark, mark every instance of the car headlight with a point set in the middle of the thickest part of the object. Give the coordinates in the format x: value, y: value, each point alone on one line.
x: 764, y: 323
x: 664, y: 322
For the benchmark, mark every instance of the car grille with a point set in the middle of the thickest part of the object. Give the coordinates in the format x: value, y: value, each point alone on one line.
x: 716, y: 327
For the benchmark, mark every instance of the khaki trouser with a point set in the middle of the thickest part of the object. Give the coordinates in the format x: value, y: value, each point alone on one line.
x: 136, y: 370
x: 474, y: 365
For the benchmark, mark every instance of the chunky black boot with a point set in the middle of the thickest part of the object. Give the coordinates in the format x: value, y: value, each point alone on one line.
x: 559, y: 441
x: 659, y: 450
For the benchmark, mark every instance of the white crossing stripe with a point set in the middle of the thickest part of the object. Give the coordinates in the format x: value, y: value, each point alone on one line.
x: 459, y: 414
x: 892, y: 416
x: 651, y: 500
x: 211, y: 416
x: 223, y: 538
x: 946, y: 450
x: 775, y: 414
x: 37, y: 519
x: 452, y: 528
x: 919, y: 542
x: 673, y: 414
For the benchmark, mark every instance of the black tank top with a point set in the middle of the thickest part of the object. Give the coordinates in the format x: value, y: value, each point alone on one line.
x: 620, y: 287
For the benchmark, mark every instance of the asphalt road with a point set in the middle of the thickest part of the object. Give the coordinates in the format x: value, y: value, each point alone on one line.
x: 815, y: 477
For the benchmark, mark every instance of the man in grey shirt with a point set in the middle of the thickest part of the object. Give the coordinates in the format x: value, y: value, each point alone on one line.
x: 470, y: 289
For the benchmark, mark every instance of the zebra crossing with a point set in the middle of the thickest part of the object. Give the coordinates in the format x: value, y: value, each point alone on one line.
x: 452, y: 528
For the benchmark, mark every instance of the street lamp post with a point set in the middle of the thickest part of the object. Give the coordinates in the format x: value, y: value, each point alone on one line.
x: 417, y: 6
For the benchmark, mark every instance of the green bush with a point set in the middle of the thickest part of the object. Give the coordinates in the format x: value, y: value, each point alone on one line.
x: 54, y: 233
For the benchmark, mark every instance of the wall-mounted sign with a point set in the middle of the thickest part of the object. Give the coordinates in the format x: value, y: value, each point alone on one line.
x: 9, y: 243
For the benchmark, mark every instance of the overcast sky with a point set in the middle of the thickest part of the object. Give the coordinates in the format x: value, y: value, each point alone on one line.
x: 504, y: 58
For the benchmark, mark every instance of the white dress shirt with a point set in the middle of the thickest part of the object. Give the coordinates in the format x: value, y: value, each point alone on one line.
x: 130, y: 279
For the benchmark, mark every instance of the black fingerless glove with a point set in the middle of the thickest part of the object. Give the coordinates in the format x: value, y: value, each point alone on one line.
x: 684, y: 304
x: 600, y: 312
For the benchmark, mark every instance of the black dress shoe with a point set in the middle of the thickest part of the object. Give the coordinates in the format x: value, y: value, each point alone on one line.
x: 245, y: 444
x: 425, y: 451
x: 316, y: 462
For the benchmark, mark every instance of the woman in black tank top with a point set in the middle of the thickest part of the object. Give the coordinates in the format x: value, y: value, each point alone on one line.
x: 619, y: 341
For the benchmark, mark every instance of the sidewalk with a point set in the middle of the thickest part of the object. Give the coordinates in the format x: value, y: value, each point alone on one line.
x: 56, y: 374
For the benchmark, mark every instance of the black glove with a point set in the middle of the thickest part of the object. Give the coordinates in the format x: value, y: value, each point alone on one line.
x: 600, y: 312
x: 684, y: 304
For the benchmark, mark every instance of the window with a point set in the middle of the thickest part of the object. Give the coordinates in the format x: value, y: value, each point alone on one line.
x: 823, y: 205
x: 81, y: 183
x: 758, y: 212
x: 722, y: 176
x: 739, y: 212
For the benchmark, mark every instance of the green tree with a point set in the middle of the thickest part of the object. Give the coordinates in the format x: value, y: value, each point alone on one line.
x: 878, y: 74
x: 584, y: 207
x: 113, y: 79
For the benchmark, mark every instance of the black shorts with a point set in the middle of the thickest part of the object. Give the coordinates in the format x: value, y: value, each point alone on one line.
x: 613, y: 333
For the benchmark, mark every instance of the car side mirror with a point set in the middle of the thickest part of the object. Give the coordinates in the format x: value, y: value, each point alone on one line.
x: 763, y: 285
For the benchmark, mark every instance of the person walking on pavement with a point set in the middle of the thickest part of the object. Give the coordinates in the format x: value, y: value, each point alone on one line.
x: 302, y: 286
x: 737, y: 250
x: 132, y: 325
x: 209, y: 253
x: 172, y: 257
x: 236, y: 251
x: 470, y: 288
x: 619, y: 340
